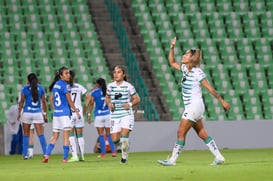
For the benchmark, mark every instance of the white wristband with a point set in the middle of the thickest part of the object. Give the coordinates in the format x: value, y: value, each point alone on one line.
x: 130, y: 104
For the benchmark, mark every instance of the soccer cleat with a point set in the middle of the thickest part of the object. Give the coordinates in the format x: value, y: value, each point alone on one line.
x: 45, y: 160
x: 73, y: 159
x: 123, y: 161
x: 81, y: 158
x: 218, y: 161
x: 64, y: 161
x: 25, y: 157
x: 114, y: 154
x: 166, y: 163
x: 30, y: 157
x: 102, y: 156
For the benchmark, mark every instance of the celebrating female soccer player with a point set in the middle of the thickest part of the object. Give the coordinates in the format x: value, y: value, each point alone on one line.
x: 60, y: 100
x: 77, y: 91
x: 31, y: 99
x: 102, y: 115
x: 121, y: 96
x: 192, y: 78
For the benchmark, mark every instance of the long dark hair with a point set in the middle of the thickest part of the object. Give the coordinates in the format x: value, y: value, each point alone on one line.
x: 102, y: 84
x: 72, y: 77
x: 33, y: 82
x: 57, y: 77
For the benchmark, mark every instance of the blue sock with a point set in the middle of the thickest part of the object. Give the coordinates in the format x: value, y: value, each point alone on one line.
x: 25, y: 145
x: 102, y: 144
x: 66, y: 152
x: 43, y: 143
x: 112, y: 145
x: 49, y: 149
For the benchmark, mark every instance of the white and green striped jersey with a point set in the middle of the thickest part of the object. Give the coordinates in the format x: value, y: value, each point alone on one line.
x: 119, y: 95
x: 191, y: 88
x: 77, y: 90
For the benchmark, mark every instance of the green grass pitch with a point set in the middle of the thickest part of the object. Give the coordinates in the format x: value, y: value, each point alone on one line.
x: 241, y: 164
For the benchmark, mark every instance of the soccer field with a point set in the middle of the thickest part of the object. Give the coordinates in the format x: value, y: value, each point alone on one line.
x: 243, y: 164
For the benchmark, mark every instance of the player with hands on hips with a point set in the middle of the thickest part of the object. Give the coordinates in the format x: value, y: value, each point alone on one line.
x: 193, y: 78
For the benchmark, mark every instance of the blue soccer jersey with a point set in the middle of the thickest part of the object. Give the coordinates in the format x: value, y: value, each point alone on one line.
x: 30, y: 106
x: 61, y: 106
x: 100, y: 106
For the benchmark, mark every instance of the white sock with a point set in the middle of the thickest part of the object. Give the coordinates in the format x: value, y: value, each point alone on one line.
x: 177, y: 149
x: 124, y: 147
x: 73, y: 147
x: 81, y: 144
x: 30, y: 152
x: 214, y: 149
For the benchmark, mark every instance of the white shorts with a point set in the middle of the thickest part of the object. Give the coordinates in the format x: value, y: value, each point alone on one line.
x: 30, y: 118
x: 61, y: 123
x: 124, y: 122
x: 194, y: 111
x: 78, y: 123
x: 102, y: 121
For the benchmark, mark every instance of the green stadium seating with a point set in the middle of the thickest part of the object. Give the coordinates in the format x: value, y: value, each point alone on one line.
x: 42, y: 36
x: 236, y: 40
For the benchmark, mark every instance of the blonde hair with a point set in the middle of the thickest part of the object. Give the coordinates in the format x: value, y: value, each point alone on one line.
x: 195, y: 59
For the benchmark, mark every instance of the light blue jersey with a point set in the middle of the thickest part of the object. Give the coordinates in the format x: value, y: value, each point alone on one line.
x: 100, y: 106
x: 61, y: 106
x: 30, y: 106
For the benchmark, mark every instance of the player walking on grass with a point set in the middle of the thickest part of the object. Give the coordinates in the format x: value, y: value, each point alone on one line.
x: 192, y: 78
x: 77, y: 91
x: 60, y: 100
x: 33, y: 103
x: 102, y: 116
x: 121, y: 96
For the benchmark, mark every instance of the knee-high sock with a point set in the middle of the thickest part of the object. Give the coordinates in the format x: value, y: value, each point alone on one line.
x: 177, y: 149
x: 81, y: 144
x: 66, y: 151
x: 124, y: 146
x: 112, y: 145
x: 25, y: 145
x: 13, y: 144
x: 213, y: 147
x: 49, y: 149
x: 102, y: 144
x: 30, y: 150
x: 73, y: 147
x: 43, y: 143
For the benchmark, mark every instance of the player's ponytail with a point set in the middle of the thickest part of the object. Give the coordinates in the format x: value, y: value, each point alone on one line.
x: 33, y: 82
x: 102, y: 84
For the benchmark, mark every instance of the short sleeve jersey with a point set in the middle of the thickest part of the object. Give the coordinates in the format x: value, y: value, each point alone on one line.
x: 100, y: 106
x: 191, y: 88
x: 31, y: 106
x: 61, y: 106
x: 120, y: 94
x: 77, y: 90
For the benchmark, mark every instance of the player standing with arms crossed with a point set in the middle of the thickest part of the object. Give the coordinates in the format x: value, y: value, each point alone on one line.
x: 121, y: 96
x: 192, y: 79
